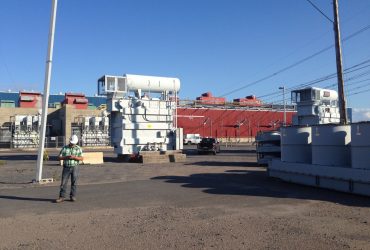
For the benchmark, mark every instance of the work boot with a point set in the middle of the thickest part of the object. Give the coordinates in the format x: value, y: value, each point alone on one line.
x: 73, y: 198
x: 59, y: 200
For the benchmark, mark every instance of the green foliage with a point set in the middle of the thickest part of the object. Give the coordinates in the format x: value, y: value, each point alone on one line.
x: 45, y: 155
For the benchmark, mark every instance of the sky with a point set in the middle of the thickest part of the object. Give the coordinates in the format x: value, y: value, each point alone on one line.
x: 232, y: 48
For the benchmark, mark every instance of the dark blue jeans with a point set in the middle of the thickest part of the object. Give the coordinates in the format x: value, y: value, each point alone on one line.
x: 73, y: 172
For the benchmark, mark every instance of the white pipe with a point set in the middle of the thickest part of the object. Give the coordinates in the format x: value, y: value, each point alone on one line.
x: 174, y: 87
x: 45, y: 98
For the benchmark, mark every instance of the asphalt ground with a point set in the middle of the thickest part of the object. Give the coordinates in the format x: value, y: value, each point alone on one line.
x: 225, y: 201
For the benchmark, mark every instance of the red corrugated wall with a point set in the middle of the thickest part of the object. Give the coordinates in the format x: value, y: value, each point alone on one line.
x: 229, y: 123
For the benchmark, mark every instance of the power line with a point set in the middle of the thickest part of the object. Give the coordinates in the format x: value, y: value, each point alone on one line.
x: 322, y: 13
x: 278, y: 100
x: 358, y: 87
x: 296, y: 63
x: 349, y: 91
x: 321, y: 79
x: 360, y: 92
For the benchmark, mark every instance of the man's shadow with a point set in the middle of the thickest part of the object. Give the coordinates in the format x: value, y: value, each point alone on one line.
x: 25, y: 198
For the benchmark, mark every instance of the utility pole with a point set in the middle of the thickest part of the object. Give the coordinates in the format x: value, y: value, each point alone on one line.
x: 45, y: 98
x: 338, y: 53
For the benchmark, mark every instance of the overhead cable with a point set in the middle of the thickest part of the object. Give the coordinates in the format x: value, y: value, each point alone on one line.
x: 322, y: 13
x: 296, y: 63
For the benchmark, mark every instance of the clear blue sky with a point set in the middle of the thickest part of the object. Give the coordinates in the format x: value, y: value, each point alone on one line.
x: 211, y: 45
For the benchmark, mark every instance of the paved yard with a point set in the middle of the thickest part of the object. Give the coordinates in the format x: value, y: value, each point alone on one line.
x: 222, y: 202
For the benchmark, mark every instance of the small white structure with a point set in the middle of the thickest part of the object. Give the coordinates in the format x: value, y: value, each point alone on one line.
x: 146, y: 120
x: 95, y: 131
x: 26, y: 131
x: 267, y: 146
x: 315, y: 106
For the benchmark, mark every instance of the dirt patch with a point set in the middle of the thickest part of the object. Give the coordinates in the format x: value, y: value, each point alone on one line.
x: 167, y: 227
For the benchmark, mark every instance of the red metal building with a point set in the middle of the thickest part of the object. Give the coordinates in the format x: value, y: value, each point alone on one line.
x: 229, y: 123
x: 30, y: 99
x: 251, y: 101
x: 78, y: 100
x: 208, y: 98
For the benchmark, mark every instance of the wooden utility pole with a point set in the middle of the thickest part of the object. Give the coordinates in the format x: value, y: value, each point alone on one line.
x: 338, y: 52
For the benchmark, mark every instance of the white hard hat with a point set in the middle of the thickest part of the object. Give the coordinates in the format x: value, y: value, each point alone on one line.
x: 73, y: 139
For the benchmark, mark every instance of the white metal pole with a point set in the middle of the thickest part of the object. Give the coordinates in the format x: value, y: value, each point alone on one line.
x: 284, y: 106
x: 176, y: 110
x: 283, y: 88
x: 45, y: 99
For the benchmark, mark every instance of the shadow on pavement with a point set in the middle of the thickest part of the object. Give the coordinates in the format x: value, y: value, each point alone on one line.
x: 223, y: 164
x: 223, y: 151
x: 22, y: 157
x: 257, y: 183
x: 14, y: 182
x: 238, y: 151
x: 110, y: 159
x: 19, y: 157
x: 25, y: 198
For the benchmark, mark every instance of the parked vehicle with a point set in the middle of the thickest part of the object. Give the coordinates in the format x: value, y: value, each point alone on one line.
x: 208, y: 145
x: 192, y: 139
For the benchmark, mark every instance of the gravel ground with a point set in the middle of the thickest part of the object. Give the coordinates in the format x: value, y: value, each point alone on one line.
x: 222, y: 202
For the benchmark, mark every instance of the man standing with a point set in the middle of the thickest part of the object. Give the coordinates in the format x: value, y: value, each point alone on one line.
x: 71, y: 155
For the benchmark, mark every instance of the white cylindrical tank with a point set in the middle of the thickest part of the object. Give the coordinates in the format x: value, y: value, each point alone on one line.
x: 296, y: 144
x: 360, y: 145
x: 331, y: 145
x: 152, y: 83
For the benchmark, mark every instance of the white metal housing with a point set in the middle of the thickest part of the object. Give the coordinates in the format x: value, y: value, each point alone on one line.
x: 330, y: 145
x: 360, y: 145
x: 340, y: 159
x: 267, y: 146
x: 142, y: 122
x: 296, y: 144
x: 26, y: 131
x: 315, y: 106
x: 324, y: 155
x: 128, y: 82
x: 95, y: 131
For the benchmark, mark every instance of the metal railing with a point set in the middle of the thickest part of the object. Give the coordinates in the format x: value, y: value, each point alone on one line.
x: 50, y: 142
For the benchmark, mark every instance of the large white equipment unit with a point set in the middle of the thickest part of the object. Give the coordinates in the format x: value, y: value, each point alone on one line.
x: 315, y: 106
x: 318, y: 152
x: 142, y: 112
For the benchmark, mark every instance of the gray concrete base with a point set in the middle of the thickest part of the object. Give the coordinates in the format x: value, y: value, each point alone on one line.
x: 343, y: 179
x: 155, y: 157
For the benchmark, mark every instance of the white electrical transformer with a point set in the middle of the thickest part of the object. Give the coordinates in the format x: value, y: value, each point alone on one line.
x: 145, y: 121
